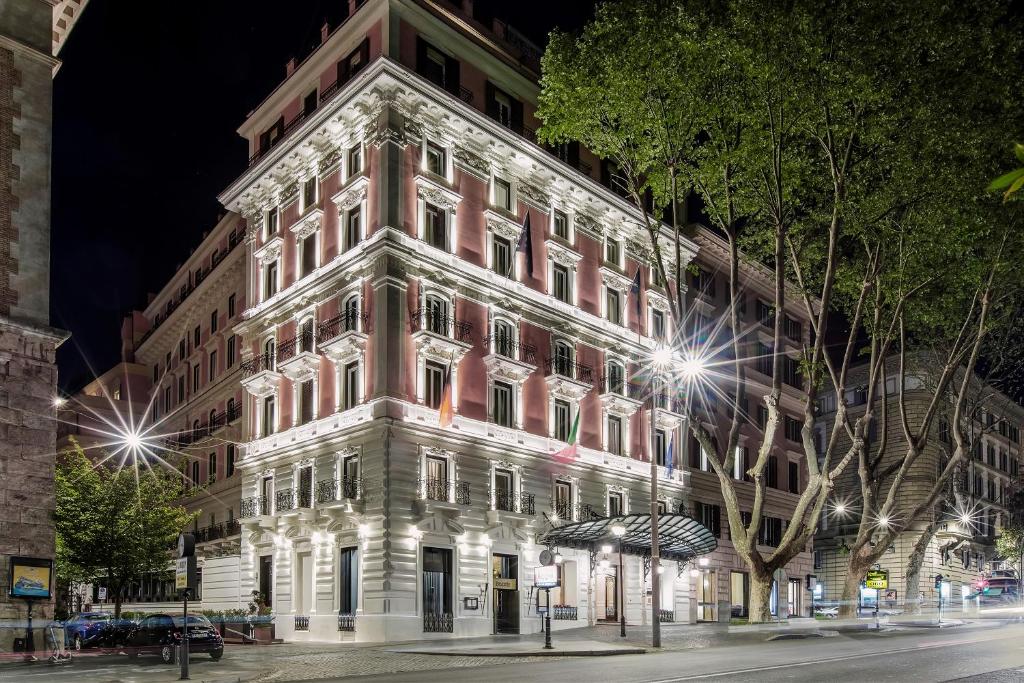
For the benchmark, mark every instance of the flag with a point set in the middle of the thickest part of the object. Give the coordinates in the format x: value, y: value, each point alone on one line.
x: 634, y: 289
x: 669, y: 460
x: 447, y: 412
x: 525, y: 245
x: 568, y: 453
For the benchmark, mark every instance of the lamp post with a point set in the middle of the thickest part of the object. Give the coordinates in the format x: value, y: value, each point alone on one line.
x: 619, y: 531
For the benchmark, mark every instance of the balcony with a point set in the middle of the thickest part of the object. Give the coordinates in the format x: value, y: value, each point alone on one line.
x: 254, y: 506
x: 568, y: 379
x: 440, y: 336
x: 338, y: 490
x: 620, y: 397
x: 259, y: 375
x: 216, y: 532
x: 343, y: 338
x: 284, y: 501
x: 509, y: 501
x: 445, y: 490
x: 296, y: 358
x: 562, y: 510
x: 509, y: 359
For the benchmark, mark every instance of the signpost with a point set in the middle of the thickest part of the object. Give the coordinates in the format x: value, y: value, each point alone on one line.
x: 877, y: 579
x: 546, y: 577
x: 185, y: 581
x: 102, y: 593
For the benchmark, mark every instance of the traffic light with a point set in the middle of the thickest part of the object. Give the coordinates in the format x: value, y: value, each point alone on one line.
x: 938, y: 581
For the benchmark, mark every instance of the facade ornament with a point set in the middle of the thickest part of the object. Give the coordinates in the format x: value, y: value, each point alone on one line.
x: 502, y: 226
x: 349, y: 199
x: 470, y: 162
x: 534, y: 195
x: 289, y: 193
x: 435, y: 195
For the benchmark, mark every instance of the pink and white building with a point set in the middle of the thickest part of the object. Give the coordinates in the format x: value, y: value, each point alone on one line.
x: 389, y: 178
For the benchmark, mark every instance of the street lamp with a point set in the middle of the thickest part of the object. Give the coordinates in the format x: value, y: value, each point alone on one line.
x: 619, y: 530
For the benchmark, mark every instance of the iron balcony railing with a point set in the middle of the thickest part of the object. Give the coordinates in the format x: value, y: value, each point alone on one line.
x: 445, y: 490
x: 666, y: 616
x: 301, y: 623
x: 255, y: 506
x: 618, y: 385
x: 437, y: 622
x: 289, y: 347
x: 509, y: 501
x: 439, y: 323
x: 284, y: 500
x: 217, y: 531
x: 330, y: 490
x: 349, y: 321
x: 257, y: 364
x: 346, y: 622
x: 564, y: 612
x: 304, y: 499
x: 569, y: 368
x: 511, y: 348
x: 562, y: 509
x: 585, y: 511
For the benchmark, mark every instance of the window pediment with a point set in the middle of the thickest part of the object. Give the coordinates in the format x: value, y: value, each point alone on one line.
x: 501, y: 225
x: 434, y: 193
x: 308, y: 224
x: 615, y: 280
x: 353, y: 193
x: 270, y: 250
x: 562, y: 254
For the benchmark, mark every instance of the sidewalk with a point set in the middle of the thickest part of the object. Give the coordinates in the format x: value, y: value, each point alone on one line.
x: 520, y: 646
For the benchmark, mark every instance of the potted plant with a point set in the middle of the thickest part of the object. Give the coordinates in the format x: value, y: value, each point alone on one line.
x: 260, y: 619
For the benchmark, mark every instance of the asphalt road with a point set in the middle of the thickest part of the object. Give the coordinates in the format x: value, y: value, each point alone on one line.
x: 914, y: 655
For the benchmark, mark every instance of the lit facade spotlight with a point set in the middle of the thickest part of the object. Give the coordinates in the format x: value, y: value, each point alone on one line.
x: 132, y: 441
x: 661, y: 569
x: 694, y: 573
x: 604, y: 563
x: 703, y: 561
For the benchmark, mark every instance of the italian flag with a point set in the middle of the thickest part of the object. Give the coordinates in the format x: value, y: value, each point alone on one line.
x: 447, y: 412
x: 568, y: 453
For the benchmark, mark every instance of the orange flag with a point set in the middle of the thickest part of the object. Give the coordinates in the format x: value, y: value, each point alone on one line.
x: 447, y: 412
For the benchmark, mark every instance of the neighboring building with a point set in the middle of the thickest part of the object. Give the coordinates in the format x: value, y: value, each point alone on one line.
x: 97, y: 412
x: 29, y: 42
x: 389, y: 177
x: 961, y: 552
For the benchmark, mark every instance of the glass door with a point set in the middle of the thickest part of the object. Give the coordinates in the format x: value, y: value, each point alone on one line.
x: 505, y: 572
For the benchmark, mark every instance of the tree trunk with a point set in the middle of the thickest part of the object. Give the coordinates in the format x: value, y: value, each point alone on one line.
x: 760, y: 596
x: 911, y: 603
x: 856, y: 568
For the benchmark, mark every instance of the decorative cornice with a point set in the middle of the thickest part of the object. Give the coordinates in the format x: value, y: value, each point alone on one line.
x: 562, y: 254
x: 614, y: 279
x: 270, y: 250
x: 433, y: 193
x: 351, y: 194
x: 502, y: 226
x: 470, y: 162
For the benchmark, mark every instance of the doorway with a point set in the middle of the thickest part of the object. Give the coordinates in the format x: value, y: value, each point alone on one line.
x: 706, y: 597
x: 267, y: 579
x: 505, y: 573
x: 794, y: 597
x: 611, y: 595
x: 740, y: 598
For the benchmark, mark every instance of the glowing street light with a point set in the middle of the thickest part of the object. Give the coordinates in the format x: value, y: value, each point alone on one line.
x: 692, y: 367
x: 883, y: 521
x: 59, y: 401
x: 840, y: 508
x: 618, y: 529
x: 662, y: 356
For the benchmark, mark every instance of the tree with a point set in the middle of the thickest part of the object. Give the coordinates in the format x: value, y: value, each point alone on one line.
x: 813, y: 136
x: 114, y: 524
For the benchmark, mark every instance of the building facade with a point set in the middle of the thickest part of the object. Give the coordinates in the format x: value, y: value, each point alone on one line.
x: 389, y: 180
x: 968, y: 516
x: 31, y: 34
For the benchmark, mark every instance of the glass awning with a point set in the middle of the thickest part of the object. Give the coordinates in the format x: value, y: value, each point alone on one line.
x: 680, y: 537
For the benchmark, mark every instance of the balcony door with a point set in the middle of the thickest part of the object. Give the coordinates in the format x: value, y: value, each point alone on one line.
x: 437, y: 479
x: 503, y: 490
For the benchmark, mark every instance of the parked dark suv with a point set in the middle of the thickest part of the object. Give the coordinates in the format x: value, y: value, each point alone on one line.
x: 159, y: 633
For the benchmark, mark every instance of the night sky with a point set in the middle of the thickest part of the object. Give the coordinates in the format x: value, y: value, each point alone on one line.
x: 146, y: 105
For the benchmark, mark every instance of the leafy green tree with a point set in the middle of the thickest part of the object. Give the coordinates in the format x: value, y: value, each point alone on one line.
x: 1011, y: 182
x: 825, y: 147
x: 114, y: 524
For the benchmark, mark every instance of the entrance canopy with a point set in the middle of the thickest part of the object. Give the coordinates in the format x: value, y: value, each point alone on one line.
x: 680, y: 538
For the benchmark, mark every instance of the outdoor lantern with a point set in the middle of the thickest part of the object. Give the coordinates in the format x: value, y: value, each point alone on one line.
x: 618, y: 529
x: 606, y: 548
x: 558, y: 558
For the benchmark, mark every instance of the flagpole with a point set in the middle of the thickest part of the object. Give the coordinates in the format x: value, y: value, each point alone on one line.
x: 655, y: 550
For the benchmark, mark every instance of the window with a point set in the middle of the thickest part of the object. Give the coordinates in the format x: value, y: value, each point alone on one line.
x: 794, y: 477
x: 196, y: 337
x: 501, y: 255
x: 710, y: 517
x: 616, y: 378
x: 167, y: 399
x: 181, y: 349
x: 272, y: 223
x: 615, y: 434
x: 435, y: 231
x: 354, y: 62
x: 270, y: 280
x: 437, y: 478
x: 612, y: 251
x: 229, y: 356
x: 156, y: 373
x: 561, y: 225
x: 309, y: 193
x: 353, y: 228
x: 562, y: 419
x: 348, y: 581
x: 615, y: 506
x: 306, y: 399
x: 561, y: 285
x: 267, y: 423
x: 502, y: 194
x: 195, y: 473
x: 167, y: 362
x: 438, y: 597
x: 503, y: 490
x: 307, y: 248
x: 350, y: 313
x: 231, y: 306
x: 660, y: 446
x: 501, y: 404
x: 351, y: 389
x: 437, y: 67
x: 504, y: 108
x: 213, y: 322
x: 793, y: 428
x: 762, y: 416
x: 562, y: 500
x: 355, y: 161
x: 211, y: 468
x: 436, y: 159
x: 309, y: 102
x: 195, y: 378
x: 765, y: 313
x: 704, y: 282
x: 793, y: 328
x: 773, y: 472
x: 437, y: 319
x: 658, y: 324
x: 770, y: 533
x: 504, y: 338
x: 613, y: 304
x: 764, y: 361
x: 562, y: 363
x: 791, y: 371
x: 213, y: 365
x: 434, y: 384
x: 229, y: 460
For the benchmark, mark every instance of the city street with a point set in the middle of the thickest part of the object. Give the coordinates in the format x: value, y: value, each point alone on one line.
x: 977, y: 652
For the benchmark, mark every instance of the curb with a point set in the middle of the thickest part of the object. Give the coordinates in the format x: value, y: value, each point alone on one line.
x: 525, y: 653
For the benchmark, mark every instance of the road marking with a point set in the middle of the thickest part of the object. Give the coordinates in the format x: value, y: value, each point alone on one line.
x: 823, y: 660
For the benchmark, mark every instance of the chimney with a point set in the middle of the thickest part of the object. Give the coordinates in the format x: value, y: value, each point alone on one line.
x: 324, y: 31
x: 289, y: 68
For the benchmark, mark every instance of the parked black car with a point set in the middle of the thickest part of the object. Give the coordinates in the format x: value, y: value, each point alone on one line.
x: 159, y: 633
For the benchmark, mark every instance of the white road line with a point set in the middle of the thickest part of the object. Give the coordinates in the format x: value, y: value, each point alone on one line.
x: 824, y: 660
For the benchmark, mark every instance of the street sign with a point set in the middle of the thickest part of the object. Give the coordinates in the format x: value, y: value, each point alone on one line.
x: 185, y: 573
x: 102, y: 593
x: 546, y: 577
x: 877, y: 579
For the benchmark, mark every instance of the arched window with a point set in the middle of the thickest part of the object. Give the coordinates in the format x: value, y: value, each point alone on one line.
x: 269, y: 349
x: 504, y: 338
x: 436, y: 314
x: 306, y: 336
x: 213, y: 416
x: 563, y: 358
x: 195, y: 426
x: 350, y: 314
x: 231, y: 409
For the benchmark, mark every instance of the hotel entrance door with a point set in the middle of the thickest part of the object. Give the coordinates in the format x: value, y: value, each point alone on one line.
x: 505, y: 574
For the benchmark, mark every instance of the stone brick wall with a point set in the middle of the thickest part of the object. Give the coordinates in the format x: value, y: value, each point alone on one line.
x: 28, y: 381
x: 8, y: 234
